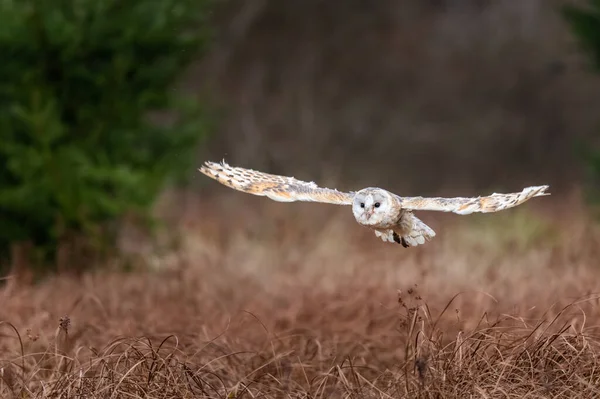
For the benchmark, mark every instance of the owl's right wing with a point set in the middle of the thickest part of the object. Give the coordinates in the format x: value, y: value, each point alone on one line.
x: 275, y: 187
x: 464, y: 206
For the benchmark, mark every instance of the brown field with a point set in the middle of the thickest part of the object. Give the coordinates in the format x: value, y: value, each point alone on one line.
x: 260, y: 299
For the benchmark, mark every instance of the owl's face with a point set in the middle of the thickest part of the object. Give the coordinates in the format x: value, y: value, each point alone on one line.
x: 373, y: 207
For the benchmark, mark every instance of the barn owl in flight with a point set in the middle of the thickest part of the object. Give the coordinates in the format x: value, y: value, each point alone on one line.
x: 388, y: 214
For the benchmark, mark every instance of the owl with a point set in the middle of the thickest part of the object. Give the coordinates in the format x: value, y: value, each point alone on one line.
x: 389, y: 215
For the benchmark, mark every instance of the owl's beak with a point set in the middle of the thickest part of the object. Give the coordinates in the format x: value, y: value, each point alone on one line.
x: 369, y: 214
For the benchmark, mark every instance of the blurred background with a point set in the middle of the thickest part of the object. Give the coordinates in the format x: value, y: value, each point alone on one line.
x: 426, y: 95
x: 107, y: 106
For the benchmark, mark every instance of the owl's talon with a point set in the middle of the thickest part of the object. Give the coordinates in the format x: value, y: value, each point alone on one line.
x: 400, y: 240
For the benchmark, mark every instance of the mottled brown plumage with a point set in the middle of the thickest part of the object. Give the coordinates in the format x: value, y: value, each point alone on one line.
x: 278, y: 188
x: 388, y: 214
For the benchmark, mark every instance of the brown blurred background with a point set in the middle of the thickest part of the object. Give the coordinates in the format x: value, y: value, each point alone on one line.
x: 429, y: 96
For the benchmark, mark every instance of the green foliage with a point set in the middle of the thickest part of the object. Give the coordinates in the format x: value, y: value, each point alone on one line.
x: 79, y: 79
x: 585, y: 25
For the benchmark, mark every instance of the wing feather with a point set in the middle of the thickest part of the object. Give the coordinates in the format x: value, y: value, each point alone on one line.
x: 275, y: 187
x: 464, y: 206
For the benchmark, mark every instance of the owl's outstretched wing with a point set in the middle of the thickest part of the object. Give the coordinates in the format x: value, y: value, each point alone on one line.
x: 275, y: 187
x: 464, y: 206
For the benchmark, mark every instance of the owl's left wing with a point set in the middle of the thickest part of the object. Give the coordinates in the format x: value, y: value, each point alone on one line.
x: 275, y: 187
x: 464, y: 206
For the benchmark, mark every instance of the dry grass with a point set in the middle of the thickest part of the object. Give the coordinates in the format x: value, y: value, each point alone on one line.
x: 310, y: 305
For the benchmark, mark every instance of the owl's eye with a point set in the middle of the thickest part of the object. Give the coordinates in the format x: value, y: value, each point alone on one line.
x: 377, y: 205
x: 362, y: 204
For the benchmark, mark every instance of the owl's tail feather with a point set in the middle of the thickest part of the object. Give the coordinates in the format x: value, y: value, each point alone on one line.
x: 419, y: 235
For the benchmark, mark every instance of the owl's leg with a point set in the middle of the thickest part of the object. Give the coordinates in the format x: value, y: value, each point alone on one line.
x: 411, y: 231
x: 400, y: 240
x: 391, y: 236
